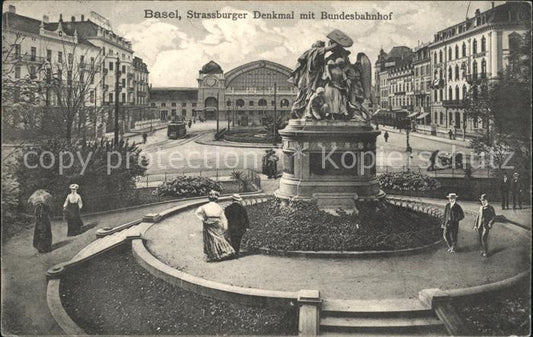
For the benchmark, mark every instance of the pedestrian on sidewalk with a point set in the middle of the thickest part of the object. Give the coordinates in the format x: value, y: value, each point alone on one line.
x: 484, y: 221
x: 505, y: 184
x: 145, y: 137
x: 216, y: 247
x: 238, y: 221
x: 450, y: 134
x: 432, y: 160
x: 453, y: 213
x: 190, y: 123
x: 71, y: 208
x: 386, y: 136
x: 273, y: 165
x: 42, y: 234
x: 516, y: 190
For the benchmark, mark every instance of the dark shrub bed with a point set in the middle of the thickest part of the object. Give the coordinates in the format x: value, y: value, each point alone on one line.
x: 113, y: 295
x: 303, y: 226
x: 502, y: 314
x: 184, y: 186
x: 407, y: 181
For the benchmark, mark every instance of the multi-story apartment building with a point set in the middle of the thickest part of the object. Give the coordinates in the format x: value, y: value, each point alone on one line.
x: 397, y: 57
x: 422, y: 84
x: 76, y: 62
x: 141, y: 81
x: 401, y: 94
x: 469, y: 53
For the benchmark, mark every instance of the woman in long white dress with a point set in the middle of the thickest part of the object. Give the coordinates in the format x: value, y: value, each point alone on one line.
x: 71, y: 209
x: 216, y: 247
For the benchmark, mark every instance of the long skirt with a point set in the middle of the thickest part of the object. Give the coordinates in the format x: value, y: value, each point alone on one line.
x: 42, y: 236
x: 74, y: 222
x: 216, y: 247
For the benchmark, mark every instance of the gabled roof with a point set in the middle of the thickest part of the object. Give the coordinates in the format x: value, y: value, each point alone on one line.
x: 29, y: 25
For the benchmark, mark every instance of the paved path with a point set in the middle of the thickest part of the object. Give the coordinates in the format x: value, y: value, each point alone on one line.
x: 459, y: 142
x: 177, y: 241
x: 24, y: 306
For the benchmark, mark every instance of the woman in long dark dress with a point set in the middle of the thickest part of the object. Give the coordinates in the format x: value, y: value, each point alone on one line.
x: 71, y: 208
x: 42, y: 236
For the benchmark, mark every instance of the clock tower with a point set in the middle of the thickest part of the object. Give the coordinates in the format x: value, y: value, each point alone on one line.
x: 211, y: 91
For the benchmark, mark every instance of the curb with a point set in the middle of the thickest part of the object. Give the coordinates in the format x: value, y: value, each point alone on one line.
x: 53, y: 299
x: 241, y: 145
x: 200, y: 286
x: 347, y: 254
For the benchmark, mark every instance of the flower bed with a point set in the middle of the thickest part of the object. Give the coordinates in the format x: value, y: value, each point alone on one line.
x: 184, y: 186
x: 407, y: 181
x: 113, y: 295
x: 303, y: 226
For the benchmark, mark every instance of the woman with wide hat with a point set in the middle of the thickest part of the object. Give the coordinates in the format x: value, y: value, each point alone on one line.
x: 71, y: 209
x: 216, y: 247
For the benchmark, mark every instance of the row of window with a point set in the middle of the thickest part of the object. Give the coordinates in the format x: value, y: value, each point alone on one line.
x: 463, y: 51
x: 173, y: 104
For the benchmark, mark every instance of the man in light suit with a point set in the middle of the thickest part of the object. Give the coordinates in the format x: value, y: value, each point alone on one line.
x: 453, y: 213
x: 484, y: 221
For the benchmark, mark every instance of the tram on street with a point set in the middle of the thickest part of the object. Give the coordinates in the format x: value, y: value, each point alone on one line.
x: 176, y: 130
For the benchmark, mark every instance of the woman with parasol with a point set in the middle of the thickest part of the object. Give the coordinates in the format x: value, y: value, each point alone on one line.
x: 71, y: 209
x: 42, y: 236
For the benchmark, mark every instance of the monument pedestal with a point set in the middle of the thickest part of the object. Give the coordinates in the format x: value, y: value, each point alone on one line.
x: 332, y: 162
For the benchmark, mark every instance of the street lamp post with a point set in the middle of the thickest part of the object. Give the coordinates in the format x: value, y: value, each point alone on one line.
x: 228, y: 111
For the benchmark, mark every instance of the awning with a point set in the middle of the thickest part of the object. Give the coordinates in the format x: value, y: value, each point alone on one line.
x: 412, y: 114
x: 423, y: 115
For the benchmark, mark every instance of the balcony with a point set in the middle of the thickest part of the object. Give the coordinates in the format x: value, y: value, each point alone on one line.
x: 31, y: 58
x: 453, y: 103
x: 476, y: 79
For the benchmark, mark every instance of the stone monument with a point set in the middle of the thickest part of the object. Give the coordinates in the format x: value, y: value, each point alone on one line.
x: 329, y: 147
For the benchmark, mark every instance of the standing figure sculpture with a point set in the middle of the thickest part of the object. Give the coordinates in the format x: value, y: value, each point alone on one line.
x: 346, y: 85
x: 336, y: 88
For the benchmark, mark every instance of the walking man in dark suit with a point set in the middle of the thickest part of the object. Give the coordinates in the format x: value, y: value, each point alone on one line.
x: 516, y: 190
x: 484, y: 221
x: 505, y: 184
x: 237, y: 221
x: 453, y: 213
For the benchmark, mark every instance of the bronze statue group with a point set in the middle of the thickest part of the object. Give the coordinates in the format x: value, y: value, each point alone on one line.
x: 329, y: 85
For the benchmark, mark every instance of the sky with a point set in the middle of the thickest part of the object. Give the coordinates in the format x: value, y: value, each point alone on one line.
x: 175, y: 50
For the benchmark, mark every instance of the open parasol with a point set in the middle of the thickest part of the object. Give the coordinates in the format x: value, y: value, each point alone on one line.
x: 40, y: 197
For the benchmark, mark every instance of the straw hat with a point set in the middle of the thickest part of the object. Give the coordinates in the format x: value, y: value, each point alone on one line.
x: 483, y: 197
x: 452, y: 196
x: 74, y: 186
x: 236, y: 197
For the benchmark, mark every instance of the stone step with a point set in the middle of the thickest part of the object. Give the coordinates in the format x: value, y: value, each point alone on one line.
x: 382, y: 334
x: 375, y: 323
x: 361, y: 307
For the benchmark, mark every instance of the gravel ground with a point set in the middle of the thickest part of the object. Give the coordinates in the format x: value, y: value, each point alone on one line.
x: 112, y: 294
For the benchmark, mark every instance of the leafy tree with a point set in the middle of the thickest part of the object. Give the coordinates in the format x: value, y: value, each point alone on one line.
x: 505, y: 107
x: 107, y: 180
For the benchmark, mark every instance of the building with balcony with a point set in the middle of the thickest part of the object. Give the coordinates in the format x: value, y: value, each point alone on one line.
x: 397, y: 57
x: 72, y: 60
x: 422, y: 85
x: 468, y: 55
x: 140, y: 81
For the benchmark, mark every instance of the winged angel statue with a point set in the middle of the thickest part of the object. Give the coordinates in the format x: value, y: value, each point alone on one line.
x: 329, y: 85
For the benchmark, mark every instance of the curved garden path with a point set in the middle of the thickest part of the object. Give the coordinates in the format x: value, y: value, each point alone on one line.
x: 177, y: 241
